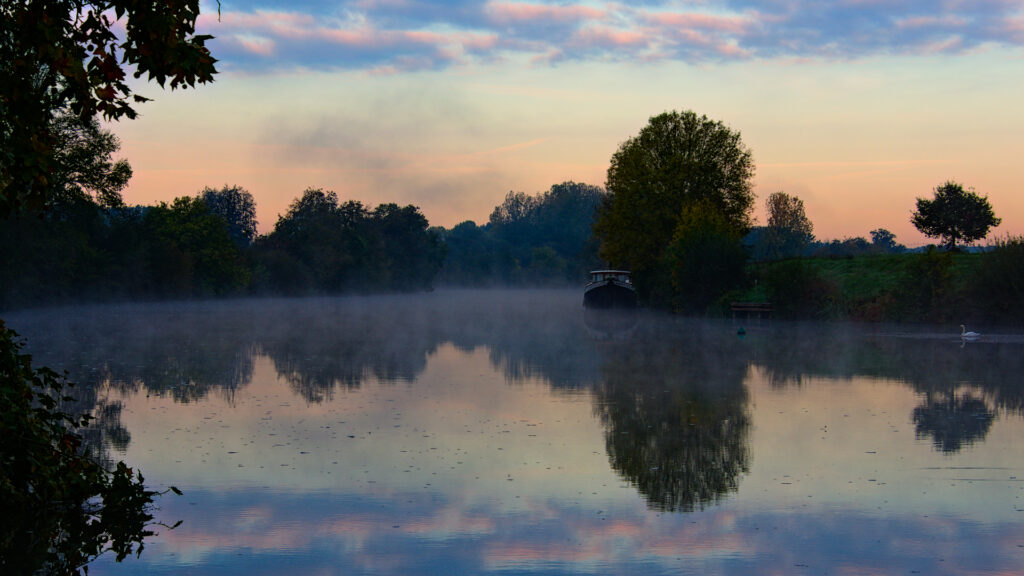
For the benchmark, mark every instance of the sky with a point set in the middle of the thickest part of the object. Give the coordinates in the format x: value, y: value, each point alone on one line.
x: 857, y: 107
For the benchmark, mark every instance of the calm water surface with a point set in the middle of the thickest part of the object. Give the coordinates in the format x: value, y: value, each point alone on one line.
x: 511, y: 432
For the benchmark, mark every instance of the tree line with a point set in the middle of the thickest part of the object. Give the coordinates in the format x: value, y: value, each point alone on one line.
x: 544, y: 239
x: 87, y: 244
x: 678, y: 213
x: 205, y: 246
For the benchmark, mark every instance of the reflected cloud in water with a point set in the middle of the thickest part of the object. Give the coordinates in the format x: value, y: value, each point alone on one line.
x: 258, y: 532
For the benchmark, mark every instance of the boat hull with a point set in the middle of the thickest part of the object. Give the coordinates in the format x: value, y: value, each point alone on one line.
x: 609, y: 294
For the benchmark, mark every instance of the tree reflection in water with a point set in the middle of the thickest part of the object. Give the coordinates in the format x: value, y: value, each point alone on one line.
x: 669, y: 391
x: 674, y: 406
x: 952, y: 420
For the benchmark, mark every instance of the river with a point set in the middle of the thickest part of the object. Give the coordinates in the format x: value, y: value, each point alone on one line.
x: 503, y: 431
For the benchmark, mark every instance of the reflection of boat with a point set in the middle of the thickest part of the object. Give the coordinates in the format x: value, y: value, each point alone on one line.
x: 609, y: 289
x: 605, y: 324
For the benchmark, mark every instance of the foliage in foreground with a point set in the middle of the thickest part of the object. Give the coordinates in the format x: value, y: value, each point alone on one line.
x: 60, y: 54
x: 60, y: 507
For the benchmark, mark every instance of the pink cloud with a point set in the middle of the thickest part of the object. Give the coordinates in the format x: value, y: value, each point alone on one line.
x: 729, y: 24
x: 255, y: 45
x: 377, y: 4
x: 608, y: 37
x: 1014, y: 28
x: 522, y: 12
x: 930, y: 21
x: 284, y: 24
x: 363, y: 37
x: 732, y: 50
x: 266, y: 33
x: 949, y: 44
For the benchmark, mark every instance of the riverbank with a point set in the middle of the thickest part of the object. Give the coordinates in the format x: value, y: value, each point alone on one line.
x: 931, y: 286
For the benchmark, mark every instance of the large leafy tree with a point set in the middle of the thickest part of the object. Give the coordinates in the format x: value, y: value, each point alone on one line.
x: 69, y: 54
x: 954, y: 215
x: 409, y: 253
x: 84, y: 163
x: 677, y: 160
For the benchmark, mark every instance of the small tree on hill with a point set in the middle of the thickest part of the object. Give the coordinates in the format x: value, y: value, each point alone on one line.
x: 885, y: 241
x: 789, y: 230
x: 954, y: 215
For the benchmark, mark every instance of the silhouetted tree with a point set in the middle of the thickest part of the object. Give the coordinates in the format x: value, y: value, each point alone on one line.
x: 954, y: 214
x: 409, y: 254
x: 62, y: 252
x: 191, y: 253
x: 83, y: 154
x: 322, y: 245
x: 885, y: 241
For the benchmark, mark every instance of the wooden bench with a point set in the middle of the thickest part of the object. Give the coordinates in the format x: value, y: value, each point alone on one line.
x: 749, y: 308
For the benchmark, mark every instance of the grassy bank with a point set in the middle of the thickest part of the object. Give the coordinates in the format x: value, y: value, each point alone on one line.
x: 927, y: 287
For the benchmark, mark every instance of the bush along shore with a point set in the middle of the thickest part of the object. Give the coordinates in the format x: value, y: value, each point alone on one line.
x: 933, y: 286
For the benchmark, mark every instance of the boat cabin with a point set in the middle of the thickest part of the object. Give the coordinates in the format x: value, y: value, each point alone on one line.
x: 617, y: 275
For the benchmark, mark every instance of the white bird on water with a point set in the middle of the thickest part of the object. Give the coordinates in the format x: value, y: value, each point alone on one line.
x: 968, y: 335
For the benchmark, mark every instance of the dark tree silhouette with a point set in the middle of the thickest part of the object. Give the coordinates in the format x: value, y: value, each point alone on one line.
x: 540, y: 239
x: 954, y: 215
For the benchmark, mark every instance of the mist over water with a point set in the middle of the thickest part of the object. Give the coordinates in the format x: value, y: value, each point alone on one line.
x: 503, y: 430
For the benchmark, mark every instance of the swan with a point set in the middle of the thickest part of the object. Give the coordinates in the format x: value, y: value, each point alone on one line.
x: 965, y: 334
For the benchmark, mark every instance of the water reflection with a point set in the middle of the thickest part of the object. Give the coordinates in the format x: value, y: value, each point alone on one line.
x: 953, y: 420
x: 674, y: 406
x: 504, y: 431
x: 656, y: 378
